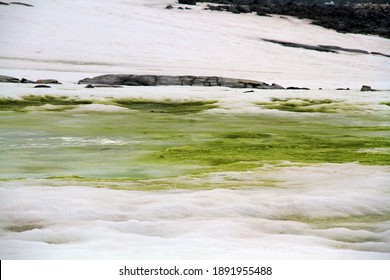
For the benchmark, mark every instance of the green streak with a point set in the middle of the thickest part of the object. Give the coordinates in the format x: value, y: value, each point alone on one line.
x: 165, y: 106
x: 11, y: 104
x: 304, y: 105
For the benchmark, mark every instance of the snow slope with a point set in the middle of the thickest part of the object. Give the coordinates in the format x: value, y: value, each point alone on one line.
x: 70, y: 40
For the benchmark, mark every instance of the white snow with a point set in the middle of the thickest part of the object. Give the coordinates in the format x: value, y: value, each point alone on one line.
x: 70, y: 40
x: 75, y: 222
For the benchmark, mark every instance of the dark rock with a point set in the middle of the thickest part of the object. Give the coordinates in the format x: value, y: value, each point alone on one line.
x: 366, y: 88
x: 243, y: 9
x: 298, y: 88
x: 187, y: 2
x: 8, y: 79
x: 22, y: 4
x: 169, y: 7
x: 378, y: 53
x: 102, y: 86
x: 344, y: 49
x: 3, y: 3
x: 249, y: 91
x: 47, y: 81
x: 342, y: 88
x: 233, y: 10
x: 365, y: 18
x: 303, y: 46
x: 25, y: 81
x: 181, y: 8
x: 42, y: 86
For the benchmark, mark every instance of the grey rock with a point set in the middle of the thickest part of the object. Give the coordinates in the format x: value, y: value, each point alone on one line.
x: 166, y: 80
x: 8, y: 79
x: 47, y: 81
x: 109, y: 79
x: 169, y: 81
x: 169, y: 7
x: 89, y: 86
x: 276, y: 86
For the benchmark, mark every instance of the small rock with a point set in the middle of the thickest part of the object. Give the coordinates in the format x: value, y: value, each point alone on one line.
x: 299, y: 88
x: 47, y: 81
x: 342, y: 88
x: 42, y: 86
x: 248, y: 91
x: 25, y: 81
x: 169, y: 7
x: 89, y: 86
x: 3, y: 3
x: 366, y: 88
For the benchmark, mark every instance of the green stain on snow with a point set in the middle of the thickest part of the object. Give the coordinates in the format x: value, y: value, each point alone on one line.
x: 304, y: 105
x: 13, y: 104
x: 165, y: 106
x: 141, y: 145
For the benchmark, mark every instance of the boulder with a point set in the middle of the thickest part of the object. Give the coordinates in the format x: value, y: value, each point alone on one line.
x: 187, y: 2
x: 8, y: 79
x: 47, y: 81
x: 109, y: 79
x: 366, y: 88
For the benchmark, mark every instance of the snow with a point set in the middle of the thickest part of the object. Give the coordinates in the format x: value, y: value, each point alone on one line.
x: 70, y: 40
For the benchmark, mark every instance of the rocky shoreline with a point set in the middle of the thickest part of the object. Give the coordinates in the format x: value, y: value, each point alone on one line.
x: 365, y: 18
x: 119, y: 80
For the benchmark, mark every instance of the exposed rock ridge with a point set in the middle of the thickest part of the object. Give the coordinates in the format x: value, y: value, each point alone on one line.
x: 165, y: 80
x: 323, y: 48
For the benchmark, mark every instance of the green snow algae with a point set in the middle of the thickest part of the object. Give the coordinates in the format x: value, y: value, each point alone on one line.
x: 167, y: 138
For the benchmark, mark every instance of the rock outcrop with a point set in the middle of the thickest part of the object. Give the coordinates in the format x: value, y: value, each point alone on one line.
x: 165, y: 80
x: 353, y: 18
x: 187, y: 2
